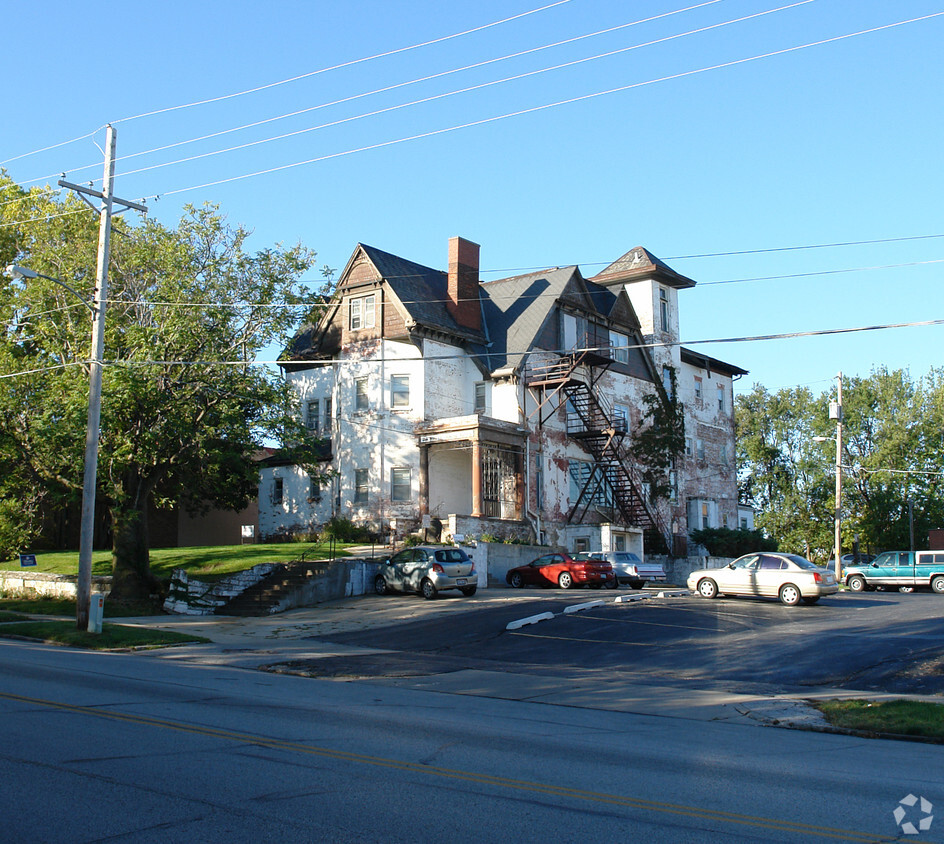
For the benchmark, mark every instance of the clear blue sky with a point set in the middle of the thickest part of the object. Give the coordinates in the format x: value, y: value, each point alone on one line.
x: 831, y: 143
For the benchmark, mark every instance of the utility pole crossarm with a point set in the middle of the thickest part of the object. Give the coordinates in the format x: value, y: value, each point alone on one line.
x: 99, y: 195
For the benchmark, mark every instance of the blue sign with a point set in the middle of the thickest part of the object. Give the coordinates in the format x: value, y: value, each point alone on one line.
x: 27, y: 560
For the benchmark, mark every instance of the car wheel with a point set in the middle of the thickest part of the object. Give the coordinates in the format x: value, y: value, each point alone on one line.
x: 427, y: 588
x: 789, y: 595
x: 707, y: 588
x: 380, y: 585
x: 906, y: 589
x: 810, y: 601
x: 516, y: 581
x: 856, y: 583
x: 937, y: 584
x: 468, y: 591
x: 614, y: 584
x: 565, y: 581
x: 637, y: 584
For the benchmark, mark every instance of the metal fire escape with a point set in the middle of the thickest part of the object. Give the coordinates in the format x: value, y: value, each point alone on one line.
x: 571, y: 379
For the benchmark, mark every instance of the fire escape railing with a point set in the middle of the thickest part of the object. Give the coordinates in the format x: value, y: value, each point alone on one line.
x: 591, y: 420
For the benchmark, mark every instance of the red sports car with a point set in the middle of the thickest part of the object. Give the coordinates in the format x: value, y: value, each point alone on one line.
x: 562, y: 570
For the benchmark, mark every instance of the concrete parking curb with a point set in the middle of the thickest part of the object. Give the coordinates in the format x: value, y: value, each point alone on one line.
x: 531, y: 619
x: 621, y: 599
x: 584, y: 606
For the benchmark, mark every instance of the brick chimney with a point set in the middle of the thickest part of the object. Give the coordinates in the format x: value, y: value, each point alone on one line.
x: 463, y: 303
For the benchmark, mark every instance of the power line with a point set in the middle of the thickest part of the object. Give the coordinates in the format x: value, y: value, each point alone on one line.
x: 465, y: 90
x: 465, y: 356
x: 293, y: 79
x: 533, y: 109
x: 380, y: 91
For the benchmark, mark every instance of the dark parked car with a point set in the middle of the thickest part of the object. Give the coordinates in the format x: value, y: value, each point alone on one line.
x: 427, y: 570
x: 562, y: 570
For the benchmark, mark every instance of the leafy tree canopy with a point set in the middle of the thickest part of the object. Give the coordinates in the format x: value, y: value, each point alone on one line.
x: 184, y: 408
x: 893, y: 454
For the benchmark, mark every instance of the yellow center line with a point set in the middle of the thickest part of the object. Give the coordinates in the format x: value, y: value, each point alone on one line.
x: 467, y: 776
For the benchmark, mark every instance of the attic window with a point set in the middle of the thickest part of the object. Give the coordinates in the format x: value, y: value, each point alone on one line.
x: 362, y: 312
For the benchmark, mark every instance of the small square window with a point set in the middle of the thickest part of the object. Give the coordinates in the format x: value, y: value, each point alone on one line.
x: 399, y: 390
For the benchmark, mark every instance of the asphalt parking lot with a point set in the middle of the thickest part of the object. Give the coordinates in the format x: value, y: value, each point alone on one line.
x: 879, y: 641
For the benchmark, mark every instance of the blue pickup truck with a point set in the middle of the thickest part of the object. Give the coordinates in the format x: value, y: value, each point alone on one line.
x: 903, y: 570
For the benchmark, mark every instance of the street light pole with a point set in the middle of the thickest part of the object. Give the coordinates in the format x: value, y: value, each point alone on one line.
x: 835, y: 412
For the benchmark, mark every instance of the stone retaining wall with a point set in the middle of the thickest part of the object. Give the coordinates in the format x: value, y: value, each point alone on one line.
x: 189, y: 596
x: 40, y: 584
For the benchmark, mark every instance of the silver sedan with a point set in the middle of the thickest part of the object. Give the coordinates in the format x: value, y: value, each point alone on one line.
x: 789, y: 577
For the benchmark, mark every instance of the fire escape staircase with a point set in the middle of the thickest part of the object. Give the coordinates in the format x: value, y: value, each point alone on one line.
x: 591, y: 421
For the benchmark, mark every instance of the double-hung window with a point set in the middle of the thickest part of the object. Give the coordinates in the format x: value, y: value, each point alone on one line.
x: 362, y: 312
x: 361, y: 402
x: 399, y: 391
x: 480, y: 399
x: 664, y: 308
x: 619, y: 347
x: 721, y: 397
x: 361, y: 485
x: 312, y: 416
x: 400, y: 486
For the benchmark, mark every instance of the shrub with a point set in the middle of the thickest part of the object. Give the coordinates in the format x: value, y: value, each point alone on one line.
x: 344, y: 530
x: 725, y: 542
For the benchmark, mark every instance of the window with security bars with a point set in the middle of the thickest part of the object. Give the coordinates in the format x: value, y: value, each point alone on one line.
x: 499, y: 483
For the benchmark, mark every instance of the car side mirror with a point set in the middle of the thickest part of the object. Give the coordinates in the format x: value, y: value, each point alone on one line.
x: 874, y: 565
x: 730, y: 565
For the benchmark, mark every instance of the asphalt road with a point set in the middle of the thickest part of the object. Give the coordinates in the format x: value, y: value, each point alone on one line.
x: 870, y: 641
x: 137, y: 748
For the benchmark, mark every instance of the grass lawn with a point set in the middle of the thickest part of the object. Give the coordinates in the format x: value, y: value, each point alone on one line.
x: 895, y: 717
x: 206, y: 562
x: 112, y: 636
x: 66, y: 606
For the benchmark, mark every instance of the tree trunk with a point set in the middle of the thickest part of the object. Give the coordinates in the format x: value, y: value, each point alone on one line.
x: 131, y: 566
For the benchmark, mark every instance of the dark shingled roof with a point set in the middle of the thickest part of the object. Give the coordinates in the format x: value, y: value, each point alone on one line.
x: 421, y: 290
x: 516, y: 309
x: 640, y: 263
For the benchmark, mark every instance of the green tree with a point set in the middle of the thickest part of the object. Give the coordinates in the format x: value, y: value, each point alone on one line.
x: 893, y: 454
x: 780, y: 470
x: 660, y: 439
x: 184, y: 409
